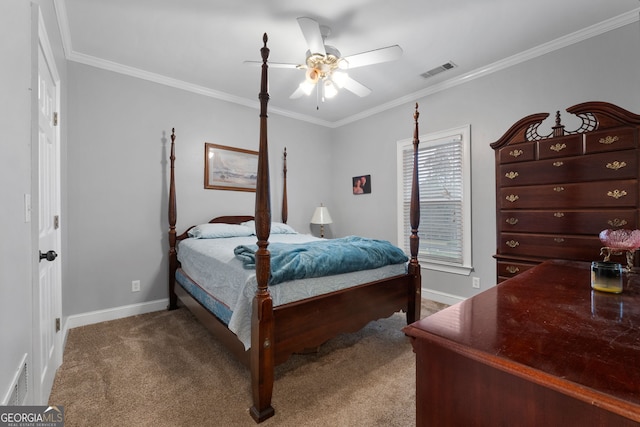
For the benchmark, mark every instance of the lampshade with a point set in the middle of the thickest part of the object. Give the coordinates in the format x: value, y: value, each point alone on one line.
x: 321, y: 216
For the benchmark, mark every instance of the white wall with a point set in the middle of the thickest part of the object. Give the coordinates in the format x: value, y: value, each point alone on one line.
x: 118, y: 179
x: 604, y: 68
x: 15, y: 170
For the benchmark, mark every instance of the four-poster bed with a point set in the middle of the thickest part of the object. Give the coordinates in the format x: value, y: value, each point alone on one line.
x: 279, y: 330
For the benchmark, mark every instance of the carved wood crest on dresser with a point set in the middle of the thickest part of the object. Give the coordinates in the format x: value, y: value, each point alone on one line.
x: 556, y: 192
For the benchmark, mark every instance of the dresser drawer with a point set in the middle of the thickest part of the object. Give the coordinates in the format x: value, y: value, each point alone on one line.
x: 517, y: 152
x: 581, y: 248
x: 602, y: 194
x: 509, y: 269
x: 560, y: 147
x: 594, y: 167
x: 611, y: 139
x: 567, y: 221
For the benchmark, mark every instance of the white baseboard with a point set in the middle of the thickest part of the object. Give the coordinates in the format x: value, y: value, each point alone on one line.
x: 442, y: 297
x: 98, y: 316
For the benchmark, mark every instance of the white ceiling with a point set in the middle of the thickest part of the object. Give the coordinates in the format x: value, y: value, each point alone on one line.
x: 200, y: 45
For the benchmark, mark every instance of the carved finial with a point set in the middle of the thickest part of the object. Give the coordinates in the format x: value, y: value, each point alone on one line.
x: 416, y: 114
x: 265, y: 50
x: 558, y: 129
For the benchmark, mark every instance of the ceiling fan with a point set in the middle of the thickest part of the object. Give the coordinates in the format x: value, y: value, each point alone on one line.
x: 326, y: 69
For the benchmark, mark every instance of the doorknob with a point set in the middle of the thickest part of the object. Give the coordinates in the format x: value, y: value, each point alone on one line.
x: 49, y: 256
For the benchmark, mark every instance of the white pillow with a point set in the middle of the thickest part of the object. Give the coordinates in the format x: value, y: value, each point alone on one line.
x: 219, y: 230
x: 276, y: 227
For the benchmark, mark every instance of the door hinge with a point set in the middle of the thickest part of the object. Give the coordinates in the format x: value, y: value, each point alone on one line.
x: 55, y: 118
x: 56, y: 222
x: 57, y: 324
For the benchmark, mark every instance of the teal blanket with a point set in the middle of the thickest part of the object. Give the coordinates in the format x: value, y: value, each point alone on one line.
x: 290, y: 261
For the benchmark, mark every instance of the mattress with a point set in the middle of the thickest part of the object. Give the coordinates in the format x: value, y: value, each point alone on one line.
x: 215, y: 277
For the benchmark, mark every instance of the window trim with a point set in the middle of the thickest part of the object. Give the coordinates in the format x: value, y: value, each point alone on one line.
x: 426, y: 139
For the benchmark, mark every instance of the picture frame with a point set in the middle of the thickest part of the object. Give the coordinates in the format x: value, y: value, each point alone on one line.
x: 361, y: 184
x: 230, y: 168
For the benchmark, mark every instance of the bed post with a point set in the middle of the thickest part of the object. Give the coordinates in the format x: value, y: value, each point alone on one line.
x: 413, y: 312
x: 262, y: 328
x: 173, y: 255
x: 285, y: 205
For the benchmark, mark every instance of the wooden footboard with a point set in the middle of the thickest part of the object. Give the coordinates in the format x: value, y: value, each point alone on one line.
x: 307, y: 324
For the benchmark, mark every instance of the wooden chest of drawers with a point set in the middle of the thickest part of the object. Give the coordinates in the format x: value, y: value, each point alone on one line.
x: 555, y: 193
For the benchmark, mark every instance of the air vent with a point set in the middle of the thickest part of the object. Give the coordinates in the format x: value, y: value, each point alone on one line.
x: 444, y: 67
x: 19, y: 389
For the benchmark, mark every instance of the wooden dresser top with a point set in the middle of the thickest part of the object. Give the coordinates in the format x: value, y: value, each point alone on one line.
x: 548, y: 326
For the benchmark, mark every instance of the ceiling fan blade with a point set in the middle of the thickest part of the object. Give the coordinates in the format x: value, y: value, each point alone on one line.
x: 311, y: 32
x: 273, y: 64
x: 356, y: 87
x: 385, y: 54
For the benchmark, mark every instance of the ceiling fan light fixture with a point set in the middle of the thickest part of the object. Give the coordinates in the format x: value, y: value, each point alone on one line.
x: 330, y: 89
x: 312, y: 75
x: 339, y: 78
x: 343, y: 64
x: 307, y: 87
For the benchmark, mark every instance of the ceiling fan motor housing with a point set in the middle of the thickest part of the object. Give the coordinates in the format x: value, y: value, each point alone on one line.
x: 321, y: 66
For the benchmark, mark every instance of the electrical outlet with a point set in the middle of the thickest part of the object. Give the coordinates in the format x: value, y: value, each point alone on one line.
x: 135, y: 286
x: 476, y: 282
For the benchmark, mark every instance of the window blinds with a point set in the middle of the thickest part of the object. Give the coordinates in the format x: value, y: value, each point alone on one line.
x: 440, y: 179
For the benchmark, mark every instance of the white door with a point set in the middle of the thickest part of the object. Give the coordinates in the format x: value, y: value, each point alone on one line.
x: 47, y: 304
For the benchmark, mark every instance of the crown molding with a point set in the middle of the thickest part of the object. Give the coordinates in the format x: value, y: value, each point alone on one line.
x: 578, y: 36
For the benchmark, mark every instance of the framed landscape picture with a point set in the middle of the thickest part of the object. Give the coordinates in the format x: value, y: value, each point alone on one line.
x: 229, y: 168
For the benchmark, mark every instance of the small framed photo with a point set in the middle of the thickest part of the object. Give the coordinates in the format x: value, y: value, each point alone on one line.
x: 229, y: 168
x: 361, y: 184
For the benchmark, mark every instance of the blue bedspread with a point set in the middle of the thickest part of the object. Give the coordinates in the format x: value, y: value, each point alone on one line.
x: 291, y: 261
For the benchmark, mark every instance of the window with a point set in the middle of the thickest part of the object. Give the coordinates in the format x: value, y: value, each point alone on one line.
x: 444, y: 177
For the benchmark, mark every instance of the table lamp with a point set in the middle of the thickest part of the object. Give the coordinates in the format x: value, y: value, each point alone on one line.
x: 321, y: 216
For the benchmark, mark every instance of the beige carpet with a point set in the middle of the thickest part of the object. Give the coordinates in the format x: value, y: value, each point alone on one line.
x: 165, y: 369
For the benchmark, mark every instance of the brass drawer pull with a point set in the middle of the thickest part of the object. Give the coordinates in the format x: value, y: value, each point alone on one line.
x: 512, y: 221
x: 608, y: 140
x: 558, y: 147
x: 558, y: 214
x: 617, y: 222
x: 616, y: 165
x: 558, y: 240
x: 512, y: 243
x: 511, y: 175
x: 558, y: 189
x: 512, y: 198
x: 558, y: 164
x: 516, y: 153
x: 512, y: 269
x: 616, y: 194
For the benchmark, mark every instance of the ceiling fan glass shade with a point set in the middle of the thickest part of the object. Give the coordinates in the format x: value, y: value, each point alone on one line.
x: 339, y: 78
x: 330, y: 89
x: 307, y: 87
x: 311, y: 76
